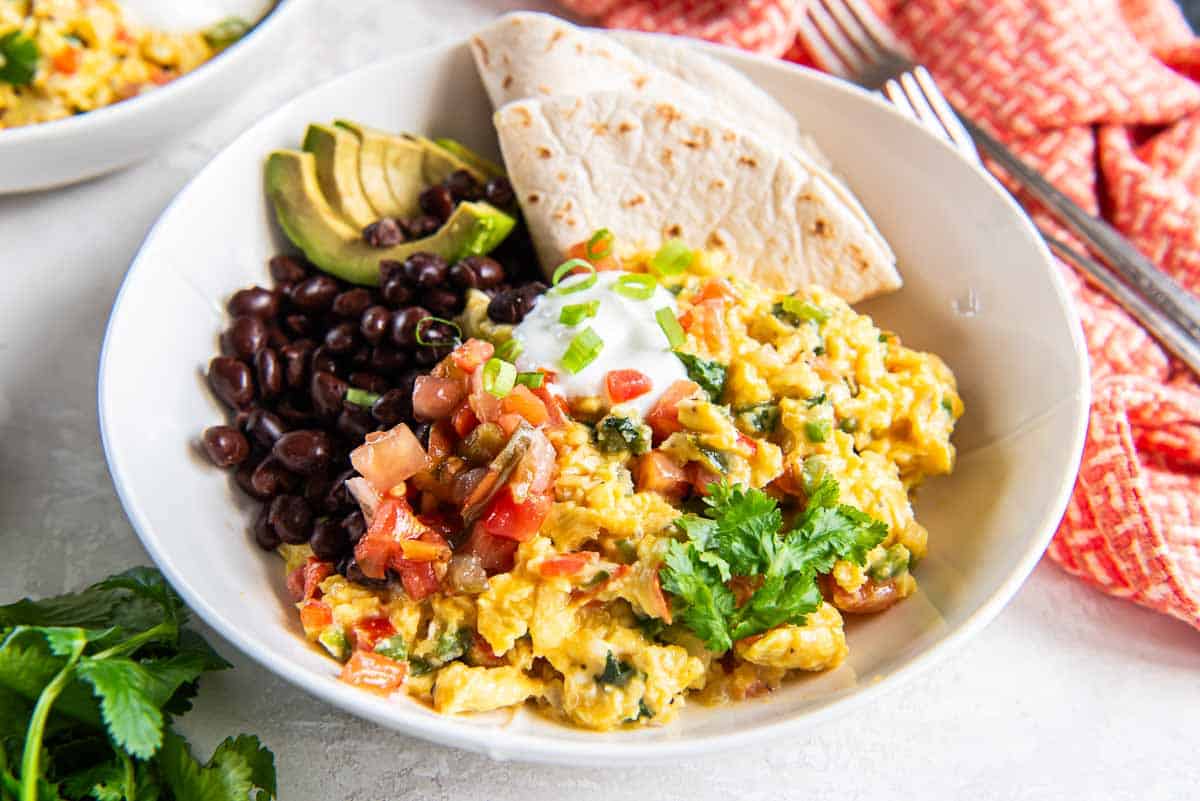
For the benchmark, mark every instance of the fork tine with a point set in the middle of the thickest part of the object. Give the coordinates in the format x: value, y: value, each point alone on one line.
x: 896, y: 95
x: 824, y: 55
x: 831, y: 33
x: 920, y: 105
x: 873, y: 26
x: 945, y: 114
x: 854, y: 29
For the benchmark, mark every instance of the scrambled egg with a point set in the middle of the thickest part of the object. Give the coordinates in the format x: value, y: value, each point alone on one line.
x: 85, y: 54
x: 811, y: 386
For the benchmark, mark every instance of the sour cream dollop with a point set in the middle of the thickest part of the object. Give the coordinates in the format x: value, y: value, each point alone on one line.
x: 632, y: 339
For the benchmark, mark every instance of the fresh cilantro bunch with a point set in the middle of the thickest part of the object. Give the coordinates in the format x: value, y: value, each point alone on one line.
x: 89, y: 685
x: 739, y: 535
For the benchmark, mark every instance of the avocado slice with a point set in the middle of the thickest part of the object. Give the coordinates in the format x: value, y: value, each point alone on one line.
x: 329, y: 242
x: 336, y: 155
x: 439, y: 162
x: 372, y: 171
x: 485, y: 166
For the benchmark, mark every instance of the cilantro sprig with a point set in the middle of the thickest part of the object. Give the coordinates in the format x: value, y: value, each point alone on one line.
x: 18, y: 59
x: 739, y: 535
x: 90, y: 684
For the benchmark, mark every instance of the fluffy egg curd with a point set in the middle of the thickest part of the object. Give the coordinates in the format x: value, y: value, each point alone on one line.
x: 59, y: 58
x: 606, y: 550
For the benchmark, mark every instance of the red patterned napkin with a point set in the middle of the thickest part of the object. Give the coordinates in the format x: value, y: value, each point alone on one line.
x: 1099, y: 95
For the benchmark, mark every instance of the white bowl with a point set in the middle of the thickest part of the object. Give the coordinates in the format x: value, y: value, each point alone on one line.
x: 980, y: 290
x: 66, y: 151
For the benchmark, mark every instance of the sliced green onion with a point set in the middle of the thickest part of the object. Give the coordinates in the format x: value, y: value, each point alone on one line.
x: 566, y: 268
x: 424, y: 322
x: 509, y: 349
x: 531, y: 380
x: 803, y: 310
x: 600, y: 245
x: 670, y: 326
x: 637, y: 286
x: 583, y: 350
x: 576, y: 313
x: 672, y: 258
x: 817, y: 430
x: 499, y: 377
x: 361, y: 397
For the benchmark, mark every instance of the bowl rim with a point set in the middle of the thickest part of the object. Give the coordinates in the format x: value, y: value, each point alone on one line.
x: 116, y: 112
x: 452, y: 731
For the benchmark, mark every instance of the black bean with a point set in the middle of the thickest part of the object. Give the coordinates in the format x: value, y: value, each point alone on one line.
x: 355, y: 525
x: 404, y: 325
x: 306, y: 452
x: 359, y: 358
x: 270, y: 478
x: 463, y: 276
x: 291, y: 518
x: 296, y: 410
x: 355, y: 422
x: 225, y: 446
x: 254, y: 302
x: 421, y: 431
x: 425, y: 270
x: 387, y: 360
x: 443, y: 302
x: 463, y: 186
x: 296, y: 357
x: 276, y: 336
x: 488, y: 272
x: 339, y: 497
x: 329, y: 540
x: 422, y: 226
x: 374, y: 324
x: 370, y: 382
x: 323, y: 360
x: 300, y: 325
x: 352, y: 303
x: 349, y: 568
x: 246, y: 337
x: 392, y: 407
x: 341, y: 338
x: 231, y: 381
x: 243, y: 475
x: 383, y: 233
x: 287, y: 270
x: 436, y: 201
x: 507, y: 307
x: 499, y: 192
x: 395, y: 290
x: 316, y: 491
x: 315, y: 294
x: 264, y: 534
x: 265, y: 427
x: 268, y: 368
x: 327, y: 391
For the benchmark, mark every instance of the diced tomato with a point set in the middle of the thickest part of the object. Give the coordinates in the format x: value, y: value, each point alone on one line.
x: 700, y: 477
x: 686, y: 320
x: 658, y: 472
x: 657, y: 602
x: 496, y: 554
x: 374, y: 672
x: 708, y: 323
x: 464, y: 421
x: 623, y: 385
x: 515, y: 521
x: 315, y: 617
x: 419, y: 578
x: 510, y: 423
x: 481, y: 653
x: 421, y: 551
x: 387, y: 458
x: 66, y: 61
x: 663, y: 418
x: 379, y: 546
x: 472, y: 353
x: 567, y: 564
x: 556, y: 405
x: 717, y: 289
x: 485, y: 405
x: 522, y: 401
x: 607, y: 262
x: 749, y: 442
x: 369, y: 631
x: 303, y: 583
x: 441, y: 440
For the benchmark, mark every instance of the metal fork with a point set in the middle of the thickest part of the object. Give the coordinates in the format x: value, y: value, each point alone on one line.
x: 853, y: 43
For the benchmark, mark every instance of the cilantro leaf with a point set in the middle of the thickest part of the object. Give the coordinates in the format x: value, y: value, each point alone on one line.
x: 747, y: 524
x: 781, y: 599
x: 702, y: 601
x: 124, y: 688
x: 231, y: 775
x: 258, y: 757
x: 104, y: 782
x: 616, y: 672
x: 710, y: 375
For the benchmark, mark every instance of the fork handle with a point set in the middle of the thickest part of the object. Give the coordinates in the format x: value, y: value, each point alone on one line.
x: 1158, y: 288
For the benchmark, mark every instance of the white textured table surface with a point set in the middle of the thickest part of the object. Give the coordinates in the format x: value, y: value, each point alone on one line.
x: 1067, y: 695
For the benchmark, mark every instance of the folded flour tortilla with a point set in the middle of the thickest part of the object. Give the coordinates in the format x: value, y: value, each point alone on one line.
x: 649, y: 170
